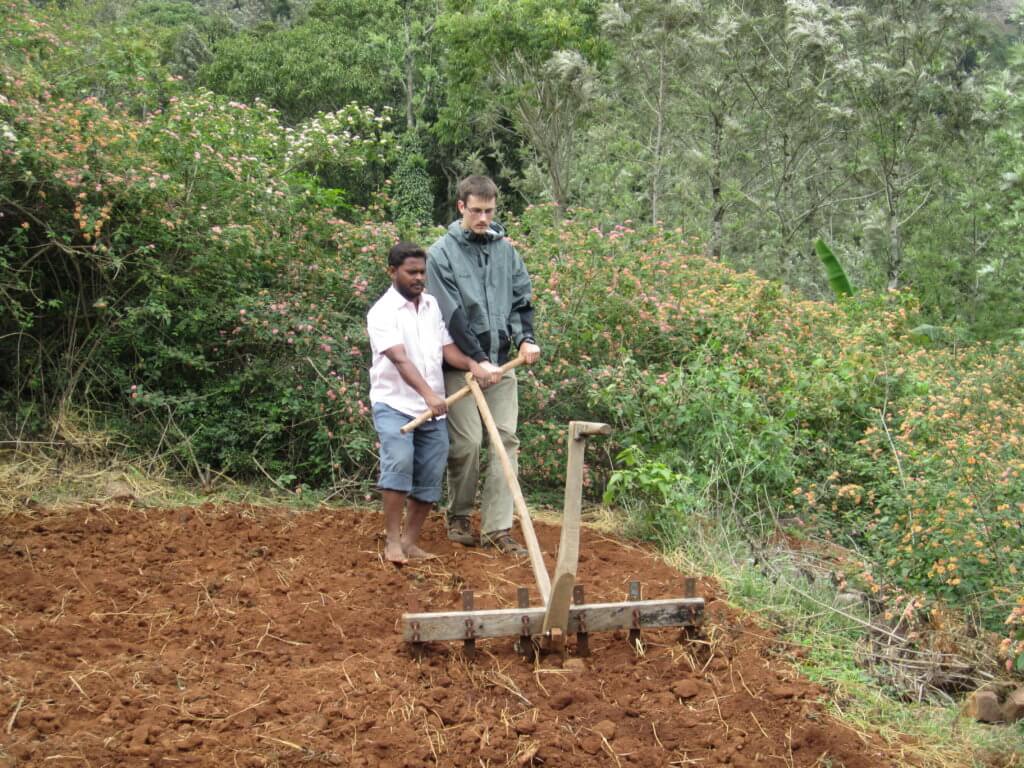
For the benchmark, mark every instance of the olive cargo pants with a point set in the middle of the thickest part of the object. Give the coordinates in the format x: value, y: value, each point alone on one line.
x: 466, y: 433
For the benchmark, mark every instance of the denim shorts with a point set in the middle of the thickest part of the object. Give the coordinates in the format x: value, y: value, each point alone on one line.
x: 413, y: 463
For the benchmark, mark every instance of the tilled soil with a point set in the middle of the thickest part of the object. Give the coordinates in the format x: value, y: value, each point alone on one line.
x: 234, y: 636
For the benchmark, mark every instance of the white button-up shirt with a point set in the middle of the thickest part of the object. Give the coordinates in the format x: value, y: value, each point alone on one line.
x: 395, y: 320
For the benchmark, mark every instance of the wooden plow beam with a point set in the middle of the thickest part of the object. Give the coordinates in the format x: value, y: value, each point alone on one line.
x: 587, y: 618
x: 563, y: 610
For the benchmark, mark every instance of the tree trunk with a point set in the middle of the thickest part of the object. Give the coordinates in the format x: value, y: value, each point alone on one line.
x: 659, y: 131
x: 410, y: 118
x: 714, y: 246
x: 558, y: 190
x: 894, y: 270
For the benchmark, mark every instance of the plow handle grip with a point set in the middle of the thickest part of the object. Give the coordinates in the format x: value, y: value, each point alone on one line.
x: 455, y: 397
x: 588, y: 428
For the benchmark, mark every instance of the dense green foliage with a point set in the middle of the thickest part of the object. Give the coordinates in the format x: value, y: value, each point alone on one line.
x: 175, y: 263
x: 193, y: 270
x: 890, y: 130
x: 314, y: 67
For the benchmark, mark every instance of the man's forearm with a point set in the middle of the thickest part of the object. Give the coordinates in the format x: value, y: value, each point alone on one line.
x: 485, y: 372
x: 456, y: 358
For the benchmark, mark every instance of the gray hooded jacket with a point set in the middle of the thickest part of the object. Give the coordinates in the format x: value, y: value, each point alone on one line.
x: 483, y: 289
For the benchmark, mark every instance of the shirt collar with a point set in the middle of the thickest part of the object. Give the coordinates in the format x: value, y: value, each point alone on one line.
x: 398, y: 301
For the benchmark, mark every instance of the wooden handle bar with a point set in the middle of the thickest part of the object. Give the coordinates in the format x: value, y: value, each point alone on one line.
x: 454, y: 398
x: 540, y: 572
x: 580, y: 429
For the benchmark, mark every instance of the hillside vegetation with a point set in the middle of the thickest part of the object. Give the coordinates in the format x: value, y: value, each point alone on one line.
x: 192, y: 272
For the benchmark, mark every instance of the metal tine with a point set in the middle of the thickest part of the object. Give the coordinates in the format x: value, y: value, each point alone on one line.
x: 525, y: 645
x: 582, y: 635
x: 634, y: 631
x: 469, y: 641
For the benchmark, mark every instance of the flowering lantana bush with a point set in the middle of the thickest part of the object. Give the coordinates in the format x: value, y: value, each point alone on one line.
x: 937, y: 475
x: 167, y: 273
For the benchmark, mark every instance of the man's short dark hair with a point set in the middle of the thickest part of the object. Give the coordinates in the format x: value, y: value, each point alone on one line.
x: 403, y: 250
x: 478, y: 186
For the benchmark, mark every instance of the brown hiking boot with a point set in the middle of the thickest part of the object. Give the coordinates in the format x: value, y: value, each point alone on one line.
x: 460, y: 531
x: 503, y: 542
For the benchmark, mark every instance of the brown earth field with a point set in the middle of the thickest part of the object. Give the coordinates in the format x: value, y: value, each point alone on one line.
x: 230, y: 635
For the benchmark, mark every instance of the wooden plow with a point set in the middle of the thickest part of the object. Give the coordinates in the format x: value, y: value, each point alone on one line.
x: 563, y: 610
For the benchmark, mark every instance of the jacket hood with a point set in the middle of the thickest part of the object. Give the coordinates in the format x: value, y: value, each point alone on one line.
x: 463, y: 236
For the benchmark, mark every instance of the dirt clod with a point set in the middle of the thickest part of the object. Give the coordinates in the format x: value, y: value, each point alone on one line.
x: 783, y: 692
x: 561, y: 701
x: 686, y: 689
x: 575, y: 665
x: 984, y: 707
x: 605, y: 729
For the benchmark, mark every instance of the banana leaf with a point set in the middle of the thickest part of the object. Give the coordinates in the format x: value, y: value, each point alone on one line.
x: 833, y: 270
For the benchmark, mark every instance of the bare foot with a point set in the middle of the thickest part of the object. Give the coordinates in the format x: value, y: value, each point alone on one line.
x: 415, y: 553
x: 394, y: 553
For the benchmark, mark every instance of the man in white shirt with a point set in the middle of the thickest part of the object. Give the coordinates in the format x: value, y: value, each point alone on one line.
x: 409, y: 341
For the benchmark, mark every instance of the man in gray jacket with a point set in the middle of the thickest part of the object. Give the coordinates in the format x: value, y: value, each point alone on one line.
x: 483, y: 289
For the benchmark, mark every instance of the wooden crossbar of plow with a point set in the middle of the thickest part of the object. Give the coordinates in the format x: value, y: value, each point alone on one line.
x: 563, y: 610
x: 586, y: 618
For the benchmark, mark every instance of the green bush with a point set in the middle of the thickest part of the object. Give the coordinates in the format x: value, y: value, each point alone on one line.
x: 661, y: 501
x: 753, y: 399
x: 164, y: 272
x: 413, y: 201
x: 934, y: 486
x: 704, y: 419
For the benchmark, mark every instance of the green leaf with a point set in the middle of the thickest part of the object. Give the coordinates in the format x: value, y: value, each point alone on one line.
x: 925, y: 333
x: 837, y: 278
